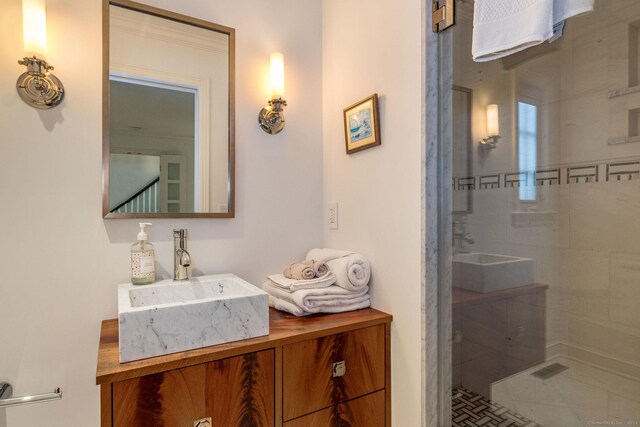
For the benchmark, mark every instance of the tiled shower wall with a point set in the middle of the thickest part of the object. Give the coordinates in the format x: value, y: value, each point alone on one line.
x: 584, y: 228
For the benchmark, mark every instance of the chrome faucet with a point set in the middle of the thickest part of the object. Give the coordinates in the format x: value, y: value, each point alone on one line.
x: 181, y: 258
x: 466, y: 237
x: 460, y: 235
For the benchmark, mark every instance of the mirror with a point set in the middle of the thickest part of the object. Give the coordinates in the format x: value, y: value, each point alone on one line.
x: 168, y: 114
x: 462, y: 150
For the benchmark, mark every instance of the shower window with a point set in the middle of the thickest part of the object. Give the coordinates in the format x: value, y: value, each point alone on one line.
x: 527, y: 148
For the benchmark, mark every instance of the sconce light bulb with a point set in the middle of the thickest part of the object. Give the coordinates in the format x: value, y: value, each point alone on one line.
x: 493, y: 120
x: 271, y: 117
x: 277, y: 75
x: 38, y: 87
x: 34, y: 28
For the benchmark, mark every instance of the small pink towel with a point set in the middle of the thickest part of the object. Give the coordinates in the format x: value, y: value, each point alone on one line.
x: 299, y: 270
x: 320, y: 268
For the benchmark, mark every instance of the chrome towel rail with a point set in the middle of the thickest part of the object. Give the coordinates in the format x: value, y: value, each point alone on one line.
x: 6, y: 399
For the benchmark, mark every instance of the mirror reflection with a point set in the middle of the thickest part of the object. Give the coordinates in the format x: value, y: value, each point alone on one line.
x: 462, y: 153
x: 170, y: 143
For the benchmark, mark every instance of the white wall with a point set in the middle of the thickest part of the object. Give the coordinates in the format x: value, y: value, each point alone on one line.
x: 375, y: 46
x: 62, y: 261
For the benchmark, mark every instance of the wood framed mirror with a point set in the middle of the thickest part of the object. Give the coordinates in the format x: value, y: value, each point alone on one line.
x: 168, y: 114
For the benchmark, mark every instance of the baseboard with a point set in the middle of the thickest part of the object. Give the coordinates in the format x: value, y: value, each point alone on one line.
x: 587, y: 356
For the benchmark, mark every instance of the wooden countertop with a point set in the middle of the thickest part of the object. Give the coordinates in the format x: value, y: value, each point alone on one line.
x: 283, y: 329
x: 460, y: 296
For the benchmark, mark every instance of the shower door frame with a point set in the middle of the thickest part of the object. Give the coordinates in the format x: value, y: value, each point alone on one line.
x: 437, y: 223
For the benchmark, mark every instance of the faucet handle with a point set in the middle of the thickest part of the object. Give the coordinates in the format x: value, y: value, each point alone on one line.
x: 180, y: 233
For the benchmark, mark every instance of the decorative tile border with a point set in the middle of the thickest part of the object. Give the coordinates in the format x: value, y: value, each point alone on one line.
x: 623, y: 171
x: 515, y: 179
x: 548, y: 177
x: 579, y: 173
x: 490, y: 181
x: 467, y: 183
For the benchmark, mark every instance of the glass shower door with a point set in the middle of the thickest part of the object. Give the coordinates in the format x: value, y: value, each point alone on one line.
x: 545, y: 234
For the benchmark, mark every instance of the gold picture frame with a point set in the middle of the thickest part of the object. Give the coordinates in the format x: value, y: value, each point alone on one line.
x: 362, y: 125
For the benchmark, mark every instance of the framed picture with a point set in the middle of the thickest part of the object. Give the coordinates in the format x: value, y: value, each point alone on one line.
x: 362, y: 125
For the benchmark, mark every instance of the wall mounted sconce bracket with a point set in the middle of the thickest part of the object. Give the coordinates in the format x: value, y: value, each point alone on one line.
x: 488, y: 143
x: 37, y: 86
x: 271, y: 117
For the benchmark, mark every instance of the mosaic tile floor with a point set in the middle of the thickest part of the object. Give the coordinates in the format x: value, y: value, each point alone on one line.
x: 471, y: 410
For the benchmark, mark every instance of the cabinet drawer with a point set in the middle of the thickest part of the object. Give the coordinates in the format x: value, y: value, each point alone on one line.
x: 233, y: 392
x: 366, y: 411
x: 309, y: 383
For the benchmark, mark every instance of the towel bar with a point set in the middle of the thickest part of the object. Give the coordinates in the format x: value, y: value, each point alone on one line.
x: 6, y: 391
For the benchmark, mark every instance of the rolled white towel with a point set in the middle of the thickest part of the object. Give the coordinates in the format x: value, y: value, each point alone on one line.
x: 352, y: 270
x: 326, y: 254
x: 310, y: 299
x: 320, y: 268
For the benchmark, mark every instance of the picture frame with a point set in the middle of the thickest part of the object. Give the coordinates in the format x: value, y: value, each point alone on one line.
x: 362, y: 125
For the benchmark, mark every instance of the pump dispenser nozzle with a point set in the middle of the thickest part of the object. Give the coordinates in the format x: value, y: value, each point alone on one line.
x: 142, y: 235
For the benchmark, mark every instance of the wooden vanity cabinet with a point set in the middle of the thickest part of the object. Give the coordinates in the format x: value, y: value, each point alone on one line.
x: 497, y: 334
x: 319, y: 371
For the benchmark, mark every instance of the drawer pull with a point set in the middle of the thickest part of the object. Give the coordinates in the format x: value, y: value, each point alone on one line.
x: 205, y: 422
x: 339, y: 368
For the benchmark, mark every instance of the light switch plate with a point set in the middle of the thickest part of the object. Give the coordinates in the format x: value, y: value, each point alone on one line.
x: 332, y: 215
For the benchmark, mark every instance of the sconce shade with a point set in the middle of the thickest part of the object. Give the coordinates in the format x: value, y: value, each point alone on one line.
x: 34, y: 28
x: 38, y: 87
x: 493, y: 125
x: 277, y: 75
x: 271, y: 117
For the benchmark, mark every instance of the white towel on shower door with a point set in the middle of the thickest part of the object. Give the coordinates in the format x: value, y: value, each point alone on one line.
x: 503, y: 27
x: 565, y: 9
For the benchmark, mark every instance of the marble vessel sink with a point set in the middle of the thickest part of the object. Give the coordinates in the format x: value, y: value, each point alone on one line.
x: 479, y: 272
x: 168, y: 317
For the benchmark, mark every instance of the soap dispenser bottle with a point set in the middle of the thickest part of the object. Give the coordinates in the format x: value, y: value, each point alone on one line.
x: 143, y: 259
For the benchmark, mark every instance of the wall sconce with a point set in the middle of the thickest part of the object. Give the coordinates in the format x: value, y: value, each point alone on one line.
x: 493, y: 128
x: 271, y: 117
x: 37, y: 86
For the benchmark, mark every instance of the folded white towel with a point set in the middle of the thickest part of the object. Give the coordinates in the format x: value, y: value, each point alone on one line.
x: 503, y: 27
x: 292, y: 285
x: 352, y: 270
x: 310, y: 299
x: 289, y: 307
